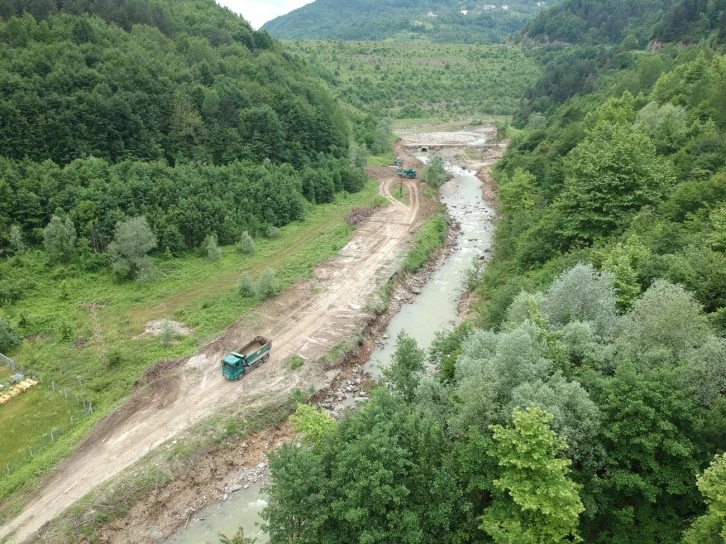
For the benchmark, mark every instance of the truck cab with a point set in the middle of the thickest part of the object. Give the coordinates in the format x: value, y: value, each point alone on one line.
x: 233, y: 366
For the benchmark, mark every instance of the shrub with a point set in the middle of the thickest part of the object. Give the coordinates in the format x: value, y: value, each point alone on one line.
x: 435, y: 174
x: 8, y: 338
x: 246, y: 287
x: 272, y: 232
x: 267, y: 284
x: 211, y: 249
x: 247, y: 243
x: 59, y: 239
x: 132, y: 241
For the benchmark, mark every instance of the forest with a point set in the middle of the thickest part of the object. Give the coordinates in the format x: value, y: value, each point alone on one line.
x: 102, y: 124
x: 439, y: 21
x: 585, y: 398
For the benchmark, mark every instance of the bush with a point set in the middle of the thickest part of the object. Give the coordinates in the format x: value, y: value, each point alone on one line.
x: 59, y: 239
x: 246, y: 287
x: 211, y: 249
x: 429, y: 238
x: 267, y: 284
x: 272, y: 233
x: 435, y: 174
x: 132, y: 241
x: 8, y: 338
x: 247, y: 243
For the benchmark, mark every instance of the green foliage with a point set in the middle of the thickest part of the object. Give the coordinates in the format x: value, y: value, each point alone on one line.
x: 272, y: 233
x: 612, y: 174
x: 434, y: 173
x: 516, y: 194
x: 238, y: 538
x: 415, y: 80
x: 246, y: 243
x: 211, y: 249
x: 59, y: 239
x: 312, y: 424
x: 8, y: 338
x: 417, y: 20
x: 430, y: 237
x: 16, y: 239
x: 129, y: 250
x: 691, y: 20
x: 382, y: 136
x: 598, y: 21
x: 403, y: 374
x: 717, y: 238
x: 663, y: 326
x: 622, y: 263
x: 296, y: 362
x: 167, y: 333
x: 267, y: 284
x: 358, y: 155
x: 711, y: 527
x: 538, y: 502
x: 246, y: 286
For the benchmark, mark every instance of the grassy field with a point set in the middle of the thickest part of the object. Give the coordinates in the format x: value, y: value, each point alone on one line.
x: 423, y: 80
x: 192, y: 290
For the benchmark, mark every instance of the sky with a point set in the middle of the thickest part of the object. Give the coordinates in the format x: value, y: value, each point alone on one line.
x: 258, y: 12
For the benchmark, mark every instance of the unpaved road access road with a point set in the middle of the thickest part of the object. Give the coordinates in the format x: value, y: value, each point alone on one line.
x: 308, y: 319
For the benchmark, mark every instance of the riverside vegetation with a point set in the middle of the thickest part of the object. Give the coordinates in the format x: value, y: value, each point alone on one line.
x: 585, y: 397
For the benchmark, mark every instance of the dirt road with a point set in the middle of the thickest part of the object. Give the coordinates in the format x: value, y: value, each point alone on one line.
x: 309, y: 319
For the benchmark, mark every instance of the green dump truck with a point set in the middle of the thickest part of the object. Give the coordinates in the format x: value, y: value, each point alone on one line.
x: 240, y: 362
x: 406, y: 173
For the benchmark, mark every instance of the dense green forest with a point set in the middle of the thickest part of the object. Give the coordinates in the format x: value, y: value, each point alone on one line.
x: 598, y: 21
x: 102, y: 123
x: 692, y: 21
x: 585, y: 399
x: 429, y: 20
x: 417, y: 80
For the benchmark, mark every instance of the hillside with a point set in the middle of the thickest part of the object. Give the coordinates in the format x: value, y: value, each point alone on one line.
x: 597, y: 21
x: 429, y: 20
x: 419, y: 80
x: 692, y: 20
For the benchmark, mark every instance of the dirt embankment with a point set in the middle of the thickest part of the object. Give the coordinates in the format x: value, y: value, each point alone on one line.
x: 307, y: 320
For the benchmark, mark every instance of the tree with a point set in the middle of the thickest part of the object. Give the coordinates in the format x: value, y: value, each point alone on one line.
x: 403, y: 374
x: 211, y: 249
x: 8, y: 338
x: 516, y: 194
x: 434, y: 173
x: 311, y: 423
x: 582, y: 294
x: 247, y: 243
x: 610, y: 176
x: 717, y: 238
x: 711, y: 527
x: 358, y: 156
x: 132, y: 242
x: 16, y: 239
x: 59, y: 239
x: 267, y: 284
x: 663, y: 326
x: 382, y: 138
x: 246, y: 286
x: 537, y: 502
x: 622, y: 263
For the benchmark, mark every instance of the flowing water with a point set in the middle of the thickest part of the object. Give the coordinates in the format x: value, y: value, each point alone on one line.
x: 241, y: 509
x: 435, y: 309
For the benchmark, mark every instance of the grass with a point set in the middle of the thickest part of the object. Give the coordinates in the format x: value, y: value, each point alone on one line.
x: 191, y: 289
x: 428, y: 239
x: 381, y: 160
x: 401, y: 194
x: 296, y: 362
x: 28, y: 419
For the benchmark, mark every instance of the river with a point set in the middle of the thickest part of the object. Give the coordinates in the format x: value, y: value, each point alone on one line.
x: 435, y: 309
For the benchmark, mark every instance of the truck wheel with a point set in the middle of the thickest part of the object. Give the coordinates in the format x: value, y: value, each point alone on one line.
x: 266, y: 358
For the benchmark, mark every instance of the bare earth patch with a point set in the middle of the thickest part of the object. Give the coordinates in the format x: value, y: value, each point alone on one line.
x: 155, y: 327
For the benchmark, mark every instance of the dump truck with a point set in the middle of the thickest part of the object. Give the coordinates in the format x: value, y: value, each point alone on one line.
x: 238, y: 363
x: 403, y: 173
